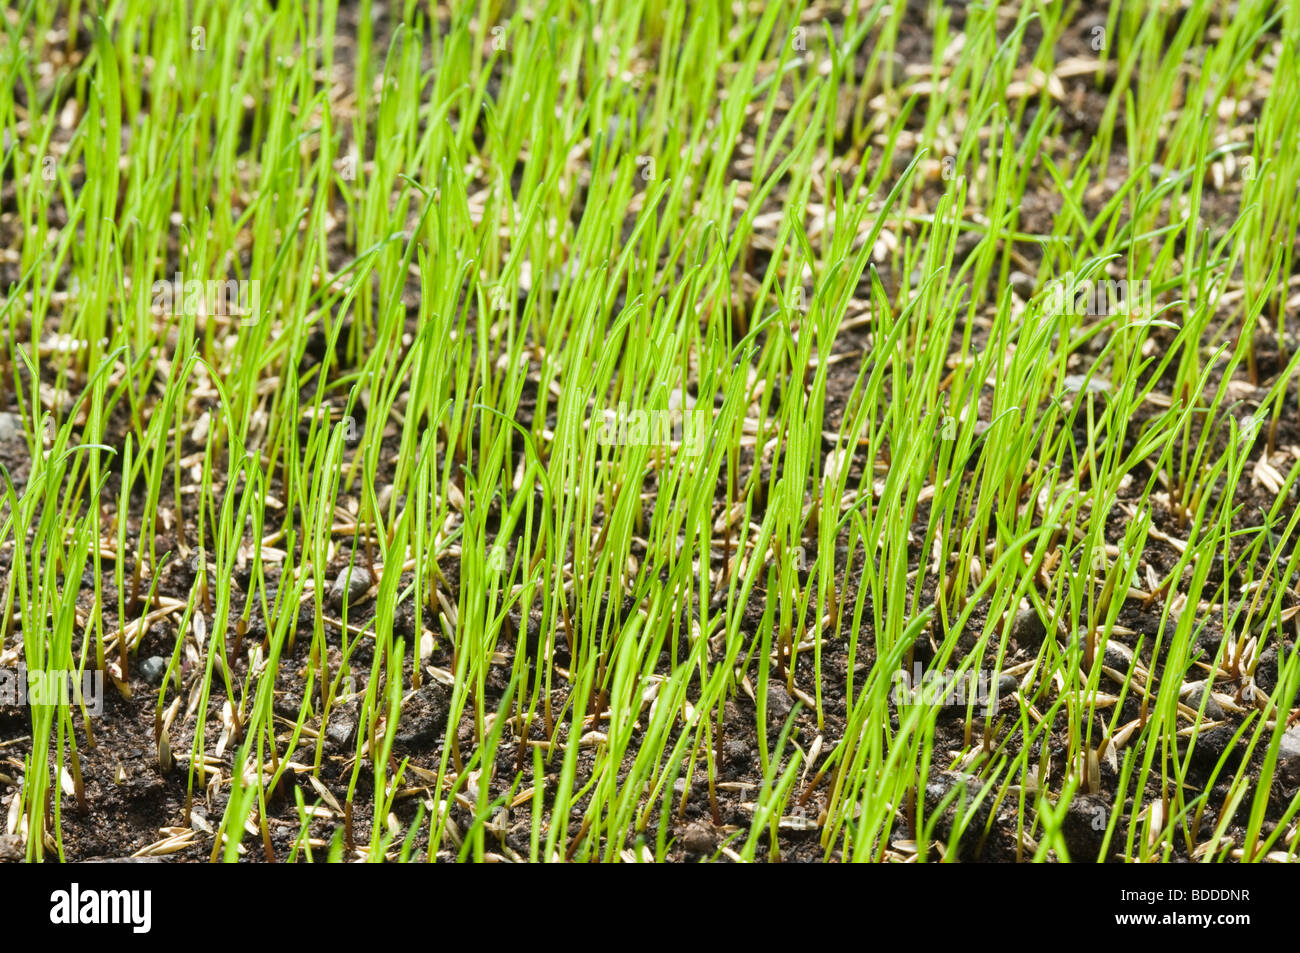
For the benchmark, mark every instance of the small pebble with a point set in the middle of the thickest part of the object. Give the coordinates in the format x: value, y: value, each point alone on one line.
x: 1289, y: 746
x: 1008, y: 685
x: 1028, y: 629
x: 11, y: 427
x: 698, y: 839
x: 1077, y: 382
x: 11, y: 849
x: 1084, y: 826
x: 349, y: 588
x: 1022, y: 284
x: 1208, y: 639
x: 1288, y: 758
x: 922, y: 650
x: 1267, y: 670
x: 1191, y: 696
x: 1118, y: 655
x: 340, y: 731
x: 153, y: 669
x: 1213, y: 744
x: 778, y: 702
x: 959, y: 791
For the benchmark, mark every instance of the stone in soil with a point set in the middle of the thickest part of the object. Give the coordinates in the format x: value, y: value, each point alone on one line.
x: 1192, y: 694
x: 1208, y: 641
x: 779, y: 703
x: 349, y: 588
x: 1118, y: 656
x: 11, y: 427
x: 1027, y: 629
x: 698, y: 839
x: 922, y: 650
x: 424, y: 714
x: 1022, y: 284
x: 1008, y: 685
x: 153, y: 669
x: 1092, y: 384
x: 1268, y: 668
x: 11, y: 849
x: 1210, y: 747
x: 1288, y: 758
x: 960, y: 790
x: 1084, y: 826
x: 341, y: 729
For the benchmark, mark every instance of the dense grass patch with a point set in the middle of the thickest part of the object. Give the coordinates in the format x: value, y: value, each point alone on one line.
x: 651, y: 430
